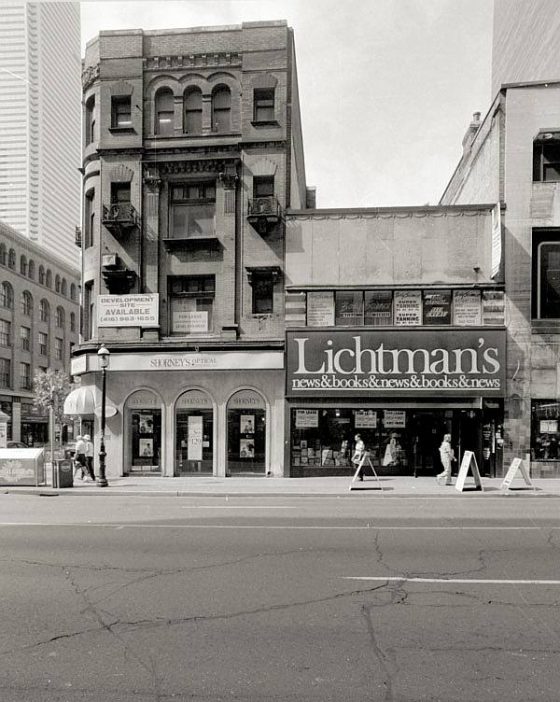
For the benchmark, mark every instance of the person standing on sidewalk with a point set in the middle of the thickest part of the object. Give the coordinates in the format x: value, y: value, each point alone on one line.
x: 447, y: 456
x: 89, y: 456
x: 80, y: 460
x: 359, y: 451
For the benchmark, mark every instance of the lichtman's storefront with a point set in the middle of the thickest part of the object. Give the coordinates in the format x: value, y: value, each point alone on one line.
x: 401, y: 390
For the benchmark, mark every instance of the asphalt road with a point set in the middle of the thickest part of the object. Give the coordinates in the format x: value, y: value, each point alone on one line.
x: 139, y: 599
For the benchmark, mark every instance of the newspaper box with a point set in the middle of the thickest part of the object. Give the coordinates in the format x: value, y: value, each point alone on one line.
x: 63, y: 474
x: 19, y: 466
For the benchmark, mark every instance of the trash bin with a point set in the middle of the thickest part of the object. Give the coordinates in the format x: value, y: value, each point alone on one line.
x: 62, y: 476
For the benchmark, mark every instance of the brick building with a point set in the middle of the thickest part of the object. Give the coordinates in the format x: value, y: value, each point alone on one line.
x: 192, y: 152
x: 39, y: 315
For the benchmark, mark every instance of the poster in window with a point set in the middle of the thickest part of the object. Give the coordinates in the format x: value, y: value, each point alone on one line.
x: 307, y: 419
x: 394, y: 419
x: 548, y: 426
x: 247, y: 424
x: 146, y: 448
x: 349, y: 309
x: 194, y: 438
x: 467, y: 308
x: 408, y: 308
x: 493, y: 307
x: 186, y: 319
x: 320, y: 309
x: 246, y: 448
x: 378, y: 309
x: 146, y: 424
x: 437, y: 307
x: 365, y: 419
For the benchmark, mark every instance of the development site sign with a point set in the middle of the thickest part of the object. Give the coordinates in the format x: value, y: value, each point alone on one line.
x: 128, y: 310
x: 459, y: 362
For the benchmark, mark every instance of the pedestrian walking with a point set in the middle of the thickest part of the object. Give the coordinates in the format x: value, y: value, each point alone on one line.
x: 447, y: 456
x: 80, y: 457
x: 359, y: 451
x: 89, y: 456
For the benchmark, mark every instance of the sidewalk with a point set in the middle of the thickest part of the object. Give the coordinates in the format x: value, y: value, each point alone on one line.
x: 303, y: 487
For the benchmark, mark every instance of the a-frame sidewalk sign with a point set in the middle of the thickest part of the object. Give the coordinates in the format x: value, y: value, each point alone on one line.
x: 518, y: 465
x: 356, y: 484
x: 468, y: 463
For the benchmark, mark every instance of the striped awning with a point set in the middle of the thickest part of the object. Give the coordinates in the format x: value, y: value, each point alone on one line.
x: 79, y: 402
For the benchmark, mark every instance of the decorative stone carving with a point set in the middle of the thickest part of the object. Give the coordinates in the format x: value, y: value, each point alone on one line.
x: 89, y: 75
x: 122, y: 174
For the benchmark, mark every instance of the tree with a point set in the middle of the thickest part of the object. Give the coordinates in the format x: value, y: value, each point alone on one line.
x: 51, y: 389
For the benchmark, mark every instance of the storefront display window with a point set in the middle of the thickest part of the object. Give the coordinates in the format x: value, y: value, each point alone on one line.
x: 143, y: 414
x: 545, y: 435
x: 246, y: 419
x: 194, y: 429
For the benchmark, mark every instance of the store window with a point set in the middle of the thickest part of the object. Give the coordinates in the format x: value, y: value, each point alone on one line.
x: 246, y: 431
x: 191, y: 303
x: 193, y: 210
x: 194, y: 434
x: 143, y: 415
x: 546, y: 275
x: 545, y: 434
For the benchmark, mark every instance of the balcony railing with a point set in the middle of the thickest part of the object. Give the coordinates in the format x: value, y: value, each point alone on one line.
x: 120, y: 217
x: 264, y: 213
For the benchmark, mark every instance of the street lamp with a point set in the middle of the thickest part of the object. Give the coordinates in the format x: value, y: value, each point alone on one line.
x: 103, y: 356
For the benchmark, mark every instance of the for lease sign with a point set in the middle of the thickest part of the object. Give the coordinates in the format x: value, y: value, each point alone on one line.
x: 128, y: 310
x: 396, y: 362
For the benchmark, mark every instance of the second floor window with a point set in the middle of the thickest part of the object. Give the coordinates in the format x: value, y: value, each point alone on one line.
x: 263, y: 105
x: 43, y: 344
x: 121, y: 115
x: 191, y: 303
x: 25, y: 376
x: 5, y: 333
x: 5, y: 373
x: 192, y: 211
x: 164, y: 113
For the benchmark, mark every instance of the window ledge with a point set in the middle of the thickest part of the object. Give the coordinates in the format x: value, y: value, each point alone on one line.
x: 545, y: 326
x: 265, y: 123
x: 122, y: 130
x: 192, y: 241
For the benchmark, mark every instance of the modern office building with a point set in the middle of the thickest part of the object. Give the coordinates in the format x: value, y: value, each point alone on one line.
x: 40, y: 151
x: 39, y: 318
x: 192, y: 152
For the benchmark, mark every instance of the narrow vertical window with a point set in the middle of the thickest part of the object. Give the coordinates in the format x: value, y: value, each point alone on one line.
x: 164, y: 113
x: 221, y: 109
x: 192, y: 111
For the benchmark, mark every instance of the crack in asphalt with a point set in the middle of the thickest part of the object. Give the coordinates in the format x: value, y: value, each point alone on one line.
x: 385, y: 659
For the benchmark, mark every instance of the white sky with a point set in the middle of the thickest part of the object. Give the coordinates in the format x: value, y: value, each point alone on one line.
x: 387, y: 87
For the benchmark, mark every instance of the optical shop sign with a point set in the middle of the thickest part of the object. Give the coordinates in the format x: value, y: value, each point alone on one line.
x: 398, y: 362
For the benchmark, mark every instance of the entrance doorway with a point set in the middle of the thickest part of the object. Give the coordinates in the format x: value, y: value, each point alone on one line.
x: 246, y: 432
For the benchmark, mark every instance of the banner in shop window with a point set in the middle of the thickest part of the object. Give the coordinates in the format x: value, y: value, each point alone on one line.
x: 320, y: 309
x: 437, y: 307
x: 194, y: 438
x: 408, y: 308
x: 467, y: 311
x: 378, y: 309
x: 338, y: 363
x: 365, y: 419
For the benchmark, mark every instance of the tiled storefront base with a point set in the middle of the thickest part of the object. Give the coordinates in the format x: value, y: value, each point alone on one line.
x: 545, y: 469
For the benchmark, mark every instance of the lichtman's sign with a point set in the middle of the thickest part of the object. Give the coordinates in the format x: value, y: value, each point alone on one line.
x: 396, y: 362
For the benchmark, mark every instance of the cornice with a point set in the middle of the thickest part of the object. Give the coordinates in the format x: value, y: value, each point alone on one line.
x: 185, y: 61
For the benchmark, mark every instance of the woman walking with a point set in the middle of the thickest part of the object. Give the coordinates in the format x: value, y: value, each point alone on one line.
x: 446, y: 455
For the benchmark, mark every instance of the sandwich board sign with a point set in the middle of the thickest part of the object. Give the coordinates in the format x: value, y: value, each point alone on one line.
x: 517, y: 465
x: 468, y: 463
x: 365, y: 460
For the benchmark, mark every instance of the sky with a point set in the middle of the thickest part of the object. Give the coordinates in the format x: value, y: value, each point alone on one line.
x: 387, y: 87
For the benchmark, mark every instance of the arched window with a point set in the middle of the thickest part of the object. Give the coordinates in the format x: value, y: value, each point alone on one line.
x: 23, y: 265
x: 72, y: 321
x: 60, y: 317
x: 44, y: 310
x: 57, y: 283
x: 31, y: 269
x: 26, y: 303
x: 72, y: 291
x: 12, y: 259
x: 164, y: 112
x: 221, y: 109
x: 192, y: 111
x: 48, y: 282
x: 90, y: 120
x: 64, y: 287
x: 41, y: 275
x: 2, y: 254
x: 7, y: 296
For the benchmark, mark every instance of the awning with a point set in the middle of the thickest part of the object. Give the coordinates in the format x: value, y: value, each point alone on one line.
x: 79, y: 402
x: 110, y: 410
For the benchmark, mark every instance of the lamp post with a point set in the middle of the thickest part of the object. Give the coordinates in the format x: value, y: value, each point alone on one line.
x: 103, y: 356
